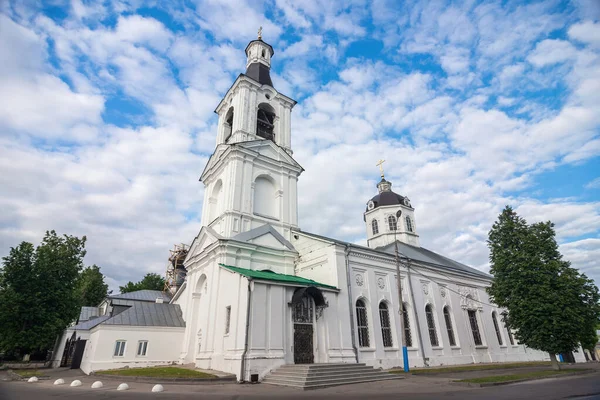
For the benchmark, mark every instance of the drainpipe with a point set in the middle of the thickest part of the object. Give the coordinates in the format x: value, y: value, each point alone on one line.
x: 243, y: 360
x: 412, y: 297
x: 346, y: 254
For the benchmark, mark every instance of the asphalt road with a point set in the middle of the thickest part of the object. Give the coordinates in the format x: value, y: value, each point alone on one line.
x: 583, y: 387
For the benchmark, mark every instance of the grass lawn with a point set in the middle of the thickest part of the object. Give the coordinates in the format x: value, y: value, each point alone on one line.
x: 28, y: 373
x: 525, y: 375
x: 158, y: 372
x: 473, y: 367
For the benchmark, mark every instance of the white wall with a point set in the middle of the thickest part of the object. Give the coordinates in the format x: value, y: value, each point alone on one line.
x: 164, y: 345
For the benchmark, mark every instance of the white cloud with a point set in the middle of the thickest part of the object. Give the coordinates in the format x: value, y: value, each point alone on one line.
x: 551, y: 51
x: 587, y: 32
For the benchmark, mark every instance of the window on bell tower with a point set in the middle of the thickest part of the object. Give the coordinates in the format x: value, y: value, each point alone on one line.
x: 409, y: 226
x: 392, y: 223
x: 375, y: 227
x: 265, y: 121
x: 228, y: 124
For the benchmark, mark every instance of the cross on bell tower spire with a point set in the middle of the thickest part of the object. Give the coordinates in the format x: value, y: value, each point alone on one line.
x: 380, y: 165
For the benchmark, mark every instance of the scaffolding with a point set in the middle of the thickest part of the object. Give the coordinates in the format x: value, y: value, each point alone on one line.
x: 176, y: 272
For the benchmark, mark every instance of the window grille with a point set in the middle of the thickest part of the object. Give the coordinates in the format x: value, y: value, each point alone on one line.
x: 431, y: 326
x: 449, y: 329
x: 362, y: 324
x: 409, y: 226
x: 227, y: 319
x: 142, y: 347
x: 375, y: 227
x: 475, y: 327
x: 386, y: 329
x: 497, y: 328
x: 392, y: 223
x: 119, y: 348
x: 407, y: 333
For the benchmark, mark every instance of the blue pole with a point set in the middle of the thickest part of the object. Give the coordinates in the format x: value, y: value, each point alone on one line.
x: 405, y: 357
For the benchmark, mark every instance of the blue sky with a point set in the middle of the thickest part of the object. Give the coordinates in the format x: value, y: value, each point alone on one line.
x: 107, y: 117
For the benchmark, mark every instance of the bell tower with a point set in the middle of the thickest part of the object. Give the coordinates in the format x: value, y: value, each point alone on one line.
x: 389, y: 217
x: 251, y: 178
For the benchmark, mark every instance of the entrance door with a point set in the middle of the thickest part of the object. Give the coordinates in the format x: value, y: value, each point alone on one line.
x: 78, y: 355
x: 303, y: 314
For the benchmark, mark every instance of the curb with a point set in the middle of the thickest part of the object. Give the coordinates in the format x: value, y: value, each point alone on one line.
x: 488, y: 384
x: 16, y: 377
x: 183, y: 381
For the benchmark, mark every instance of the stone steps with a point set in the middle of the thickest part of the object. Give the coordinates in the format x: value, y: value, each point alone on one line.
x: 316, y: 376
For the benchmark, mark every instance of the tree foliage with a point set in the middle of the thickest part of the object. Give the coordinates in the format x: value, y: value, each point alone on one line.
x: 551, y: 306
x: 37, y: 296
x: 151, y: 281
x: 91, y: 288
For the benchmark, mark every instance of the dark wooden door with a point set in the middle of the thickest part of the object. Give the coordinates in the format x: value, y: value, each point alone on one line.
x: 78, y: 354
x: 303, y: 344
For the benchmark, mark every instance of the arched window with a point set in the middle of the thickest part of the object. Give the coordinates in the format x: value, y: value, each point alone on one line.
x: 409, y: 226
x: 392, y: 223
x: 449, y: 329
x: 386, y: 328
x: 264, y: 197
x: 510, y: 336
x: 362, y: 323
x: 375, y: 227
x: 265, y: 121
x: 474, y: 327
x: 228, y: 124
x: 263, y: 53
x: 497, y: 327
x: 215, y: 201
x: 406, y: 321
x: 431, y: 326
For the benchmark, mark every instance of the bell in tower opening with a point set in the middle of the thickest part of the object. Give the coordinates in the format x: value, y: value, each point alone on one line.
x: 265, y: 121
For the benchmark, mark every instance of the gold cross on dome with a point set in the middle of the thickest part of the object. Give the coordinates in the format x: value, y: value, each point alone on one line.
x: 260, y: 33
x: 380, y: 165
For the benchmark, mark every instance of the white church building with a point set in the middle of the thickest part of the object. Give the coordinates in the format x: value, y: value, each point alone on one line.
x: 260, y: 292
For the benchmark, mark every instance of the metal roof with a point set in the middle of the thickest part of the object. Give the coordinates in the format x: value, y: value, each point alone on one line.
x: 275, y: 277
x: 149, y: 314
x: 87, y: 312
x: 143, y: 295
x: 412, y: 252
x: 87, y: 325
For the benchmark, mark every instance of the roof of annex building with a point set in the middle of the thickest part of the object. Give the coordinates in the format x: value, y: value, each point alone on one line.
x: 267, y: 275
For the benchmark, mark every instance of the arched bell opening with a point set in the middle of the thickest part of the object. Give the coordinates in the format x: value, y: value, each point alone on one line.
x: 265, y: 121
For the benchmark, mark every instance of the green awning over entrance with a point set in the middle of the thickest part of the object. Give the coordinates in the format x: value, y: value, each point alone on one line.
x: 275, y: 277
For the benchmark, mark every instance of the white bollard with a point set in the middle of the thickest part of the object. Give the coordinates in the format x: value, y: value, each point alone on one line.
x: 76, y: 383
x: 123, y: 386
x: 97, y: 385
x: 158, y: 388
x: 59, y: 382
x: 33, y: 379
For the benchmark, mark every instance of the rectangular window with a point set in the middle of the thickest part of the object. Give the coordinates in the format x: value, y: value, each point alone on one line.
x: 475, y: 327
x: 142, y: 347
x: 227, y: 319
x: 119, y: 348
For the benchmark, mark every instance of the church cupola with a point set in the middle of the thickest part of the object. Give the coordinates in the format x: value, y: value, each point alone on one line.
x: 252, y: 109
x: 381, y: 217
x: 258, y: 63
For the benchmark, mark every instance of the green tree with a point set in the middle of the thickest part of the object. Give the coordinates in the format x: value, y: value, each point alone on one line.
x: 551, y: 306
x: 37, y: 295
x: 151, y: 281
x: 91, y: 288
